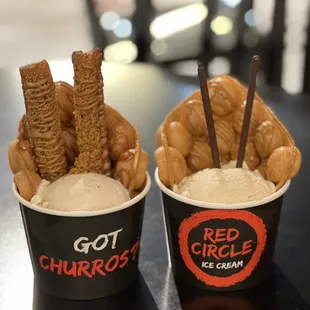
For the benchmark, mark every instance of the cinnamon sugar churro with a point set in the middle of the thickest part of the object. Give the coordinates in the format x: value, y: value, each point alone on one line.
x: 43, y: 121
x: 91, y: 125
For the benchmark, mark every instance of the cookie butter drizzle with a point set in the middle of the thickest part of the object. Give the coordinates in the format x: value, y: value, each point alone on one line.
x: 43, y: 120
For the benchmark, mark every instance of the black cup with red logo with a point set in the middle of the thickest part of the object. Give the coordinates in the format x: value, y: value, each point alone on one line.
x: 221, y: 247
x: 84, y: 255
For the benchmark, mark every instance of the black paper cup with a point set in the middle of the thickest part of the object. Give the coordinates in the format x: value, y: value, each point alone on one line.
x: 84, y: 255
x: 221, y: 247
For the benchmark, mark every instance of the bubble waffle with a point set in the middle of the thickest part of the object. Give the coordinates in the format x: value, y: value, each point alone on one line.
x: 128, y: 162
x: 183, y: 141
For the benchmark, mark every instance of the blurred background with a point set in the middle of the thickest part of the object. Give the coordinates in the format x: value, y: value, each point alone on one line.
x: 225, y: 34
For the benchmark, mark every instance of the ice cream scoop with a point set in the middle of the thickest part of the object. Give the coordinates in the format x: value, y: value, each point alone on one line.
x: 81, y: 192
x: 227, y: 186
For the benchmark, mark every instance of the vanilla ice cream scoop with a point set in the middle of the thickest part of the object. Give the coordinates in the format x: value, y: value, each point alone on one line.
x: 81, y: 192
x: 227, y: 186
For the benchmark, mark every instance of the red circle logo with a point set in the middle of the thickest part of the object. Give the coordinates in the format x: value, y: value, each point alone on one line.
x: 222, y: 247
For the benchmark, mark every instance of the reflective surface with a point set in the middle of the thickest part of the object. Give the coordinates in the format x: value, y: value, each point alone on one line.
x: 276, y: 293
x: 144, y: 94
x: 136, y: 298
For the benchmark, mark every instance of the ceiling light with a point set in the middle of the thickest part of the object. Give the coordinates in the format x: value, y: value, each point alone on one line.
x: 121, y: 52
x: 221, y: 25
x: 109, y: 20
x: 178, y: 20
x: 123, y: 28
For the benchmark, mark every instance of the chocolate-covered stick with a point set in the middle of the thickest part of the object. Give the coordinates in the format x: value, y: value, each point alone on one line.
x: 248, y: 110
x: 208, y: 115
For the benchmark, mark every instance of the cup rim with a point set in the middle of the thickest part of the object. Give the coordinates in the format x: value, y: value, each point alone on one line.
x: 221, y: 206
x: 123, y: 206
